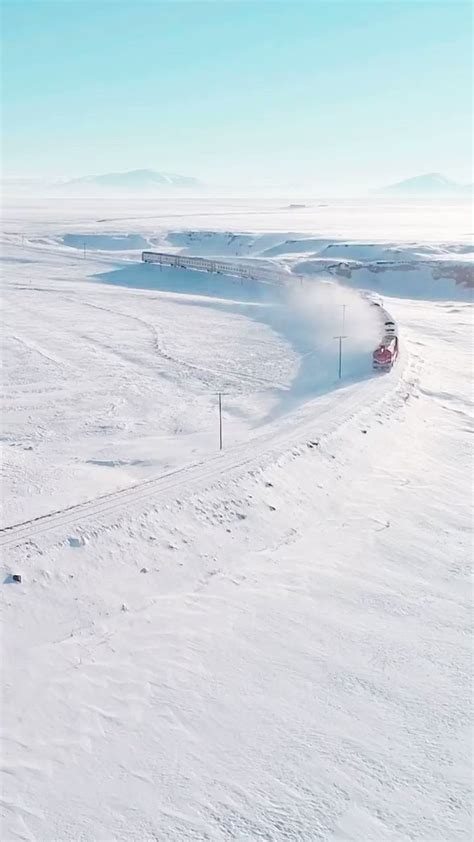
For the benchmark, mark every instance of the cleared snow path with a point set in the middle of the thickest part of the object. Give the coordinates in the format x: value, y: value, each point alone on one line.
x: 318, y: 419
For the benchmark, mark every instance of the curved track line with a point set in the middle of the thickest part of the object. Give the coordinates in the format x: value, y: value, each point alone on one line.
x: 343, y: 407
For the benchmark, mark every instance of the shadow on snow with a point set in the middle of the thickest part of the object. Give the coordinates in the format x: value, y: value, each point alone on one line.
x: 310, y: 331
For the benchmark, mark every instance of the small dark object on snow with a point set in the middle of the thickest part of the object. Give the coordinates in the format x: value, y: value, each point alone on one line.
x: 363, y: 431
x: 269, y: 485
x: 16, y: 577
x: 272, y: 508
x: 144, y: 570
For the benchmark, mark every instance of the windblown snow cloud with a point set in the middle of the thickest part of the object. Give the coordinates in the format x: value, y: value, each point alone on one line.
x: 325, y: 310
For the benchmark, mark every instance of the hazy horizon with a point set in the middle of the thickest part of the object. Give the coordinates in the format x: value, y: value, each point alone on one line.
x: 92, y: 189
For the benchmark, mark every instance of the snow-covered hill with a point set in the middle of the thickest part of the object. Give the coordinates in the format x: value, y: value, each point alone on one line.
x: 144, y: 182
x: 134, y: 181
x: 429, y: 184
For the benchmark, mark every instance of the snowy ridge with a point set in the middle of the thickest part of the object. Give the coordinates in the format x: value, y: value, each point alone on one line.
x: 424, y: 270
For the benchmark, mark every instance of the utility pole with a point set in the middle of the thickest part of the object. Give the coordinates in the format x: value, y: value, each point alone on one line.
x: 340, y: 337
x: 220, y: 420
x: 219, y: 398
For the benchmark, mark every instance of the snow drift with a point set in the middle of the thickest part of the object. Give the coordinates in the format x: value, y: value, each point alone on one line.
x: 106, y: 242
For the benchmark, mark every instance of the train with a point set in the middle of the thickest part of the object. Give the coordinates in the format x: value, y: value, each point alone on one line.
x: 386, y: 353
x: 263, y: 271
x: 181, y: 261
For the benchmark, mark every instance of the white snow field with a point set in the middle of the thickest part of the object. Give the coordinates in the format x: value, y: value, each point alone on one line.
x: 271, y: 642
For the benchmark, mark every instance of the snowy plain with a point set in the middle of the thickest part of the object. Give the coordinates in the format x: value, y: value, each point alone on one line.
x: 294, y: 661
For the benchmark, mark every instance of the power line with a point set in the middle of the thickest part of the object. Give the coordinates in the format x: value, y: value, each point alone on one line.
x: 220, y: 421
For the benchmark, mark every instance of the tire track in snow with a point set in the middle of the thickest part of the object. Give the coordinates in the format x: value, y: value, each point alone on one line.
x: 144, y: 362
x: 194, y: 367
x: 37, y: 349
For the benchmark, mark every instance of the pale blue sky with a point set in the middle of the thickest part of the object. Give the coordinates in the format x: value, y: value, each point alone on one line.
x: 297, y: 93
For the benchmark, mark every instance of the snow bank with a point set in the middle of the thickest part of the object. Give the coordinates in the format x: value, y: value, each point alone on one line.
x: 299, y: 245
x: 363, y: 252
x: 106, y: 242
x: 222, y: 243
x: 421, y: 281
x: 187, y: 282
x: 415, y: 282
x: 369, y: 252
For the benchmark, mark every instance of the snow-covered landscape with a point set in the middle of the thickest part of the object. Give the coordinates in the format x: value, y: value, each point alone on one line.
x: 264, y: 642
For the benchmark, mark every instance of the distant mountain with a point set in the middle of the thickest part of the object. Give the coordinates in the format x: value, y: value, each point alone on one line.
x: 134, y: 181
x: 430, y: 184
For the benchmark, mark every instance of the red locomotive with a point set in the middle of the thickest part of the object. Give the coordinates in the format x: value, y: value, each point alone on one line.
x: 385, y: 355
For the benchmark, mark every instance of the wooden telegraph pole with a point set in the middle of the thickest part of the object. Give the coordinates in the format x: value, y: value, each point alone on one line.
x: 340, y: 337
x: 220, y: 420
